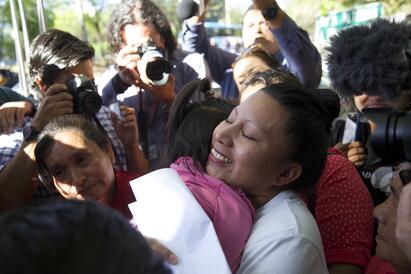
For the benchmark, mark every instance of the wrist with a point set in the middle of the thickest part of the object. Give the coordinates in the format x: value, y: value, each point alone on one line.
x: 31, y: 109
x: 30, y: 133
x: 118, y: 84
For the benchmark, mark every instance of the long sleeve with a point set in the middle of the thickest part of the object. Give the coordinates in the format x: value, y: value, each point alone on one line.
x: 195, y: 39
x: 297, y: 53
x: 111, y: 89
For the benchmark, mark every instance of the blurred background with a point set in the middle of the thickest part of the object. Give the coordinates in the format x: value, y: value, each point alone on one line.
x: 88, y: 19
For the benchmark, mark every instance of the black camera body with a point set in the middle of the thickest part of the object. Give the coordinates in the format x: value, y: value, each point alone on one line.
x: 391, y: 139
x: 153, y: 66
x: 85, y: 95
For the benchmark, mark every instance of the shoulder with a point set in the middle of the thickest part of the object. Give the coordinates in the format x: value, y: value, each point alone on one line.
x: 285, y: 215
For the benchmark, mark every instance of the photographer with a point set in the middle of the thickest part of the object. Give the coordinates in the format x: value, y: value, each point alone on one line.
x: 138, y: 28
x: 56, y: 59
x: 264, y: 23
x: 370, y: 67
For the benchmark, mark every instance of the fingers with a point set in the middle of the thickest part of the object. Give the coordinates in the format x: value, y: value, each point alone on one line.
x: 12, y: 114
x: 356, y: 144
x: 54, y: 89
x: 19, y: 116
x: 356, y: 153
x: 126, y: 55
x: 162, y: 250
x: 342, y: 147
x: 55, y: 102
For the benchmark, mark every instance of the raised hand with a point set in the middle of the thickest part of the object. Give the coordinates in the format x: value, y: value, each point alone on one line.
x: 12, y: 114
x: 56, y: 102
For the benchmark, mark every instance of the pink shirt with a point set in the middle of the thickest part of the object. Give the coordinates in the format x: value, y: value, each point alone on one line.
x: 228, y: 208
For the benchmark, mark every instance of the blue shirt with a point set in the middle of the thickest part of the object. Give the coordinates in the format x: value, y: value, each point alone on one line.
x: 185, y: 67
x: 297, y: 54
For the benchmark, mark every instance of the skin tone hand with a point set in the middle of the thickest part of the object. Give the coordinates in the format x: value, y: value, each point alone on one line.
x: 127, y: 131
x: 403, y: 229
x: 200, y: 17
x: 12, y: 114
x: 127, y: 65
x: 55, y: 102
x: 126, y: 127
x: 127, y: 61
x: 162, y: 250
x: 355, y: 152
x: 263, y: 5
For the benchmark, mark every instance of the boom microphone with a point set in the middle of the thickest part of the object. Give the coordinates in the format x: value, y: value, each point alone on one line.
x: 187, y: 9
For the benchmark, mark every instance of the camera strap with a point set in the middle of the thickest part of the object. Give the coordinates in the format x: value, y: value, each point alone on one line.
x: 142, y: 120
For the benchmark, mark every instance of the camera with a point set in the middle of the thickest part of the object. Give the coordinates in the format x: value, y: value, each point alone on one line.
x: 153, y: 66
x: 85, y: 96
x: 391, y: 140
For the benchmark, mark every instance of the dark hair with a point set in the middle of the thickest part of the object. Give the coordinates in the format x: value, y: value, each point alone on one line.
x: 70, y: 122
x: 73, y: 237
x: 58, y: 48
x: 328, y: 98
x: 258, y: 51
x: 305, y: 130
x: 190, y: 125
x: 374, y: 59
x: 139, y: 12
x: 272, y: 76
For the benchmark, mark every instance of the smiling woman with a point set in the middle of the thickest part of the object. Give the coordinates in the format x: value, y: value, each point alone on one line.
x: 262, y: 149
x: 77, y: 158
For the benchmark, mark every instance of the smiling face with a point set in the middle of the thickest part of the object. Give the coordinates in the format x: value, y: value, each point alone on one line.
x: 386, y: 214
x: 80, y: 169
x: 249, y: 148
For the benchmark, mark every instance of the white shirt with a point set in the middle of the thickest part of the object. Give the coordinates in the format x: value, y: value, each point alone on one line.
x: 284, y: 239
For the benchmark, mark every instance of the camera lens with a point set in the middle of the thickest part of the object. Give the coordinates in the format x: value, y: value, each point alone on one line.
x: 92, y: 103
x: 391, y: 140
x: 156, y: 68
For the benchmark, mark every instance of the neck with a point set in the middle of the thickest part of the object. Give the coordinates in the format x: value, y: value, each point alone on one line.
x: 260, y: 200
x: 108, y: 197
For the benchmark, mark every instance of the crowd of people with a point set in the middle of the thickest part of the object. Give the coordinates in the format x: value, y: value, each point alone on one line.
x: 289, y: 183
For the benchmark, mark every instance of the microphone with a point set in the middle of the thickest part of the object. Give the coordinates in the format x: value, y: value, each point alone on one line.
x: 187, y: 9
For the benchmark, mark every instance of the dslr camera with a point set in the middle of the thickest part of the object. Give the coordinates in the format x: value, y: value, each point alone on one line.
x: 153, y: 67
x: 85, y: 95
x: 391, y: 140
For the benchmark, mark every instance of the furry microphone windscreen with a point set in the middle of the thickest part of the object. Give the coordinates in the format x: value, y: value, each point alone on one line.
x: 374, y: 59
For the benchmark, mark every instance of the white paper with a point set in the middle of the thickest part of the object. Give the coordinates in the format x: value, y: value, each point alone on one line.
x: 165, y: 209
x: 349, y: 131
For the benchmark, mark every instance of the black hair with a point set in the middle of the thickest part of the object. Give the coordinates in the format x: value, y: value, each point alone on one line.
x: 73, y: 237
x: 58, y: 48
x: 139, y: 12
x: 69, y: 122
x: 272, y: 76
x: 190, y: 125
x: 328, y: 98
x: 374, y: 59
x: 305, y: 130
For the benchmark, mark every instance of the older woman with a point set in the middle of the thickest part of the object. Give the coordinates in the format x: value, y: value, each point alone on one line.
x: 394, y: 259
x: 77, y: 158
